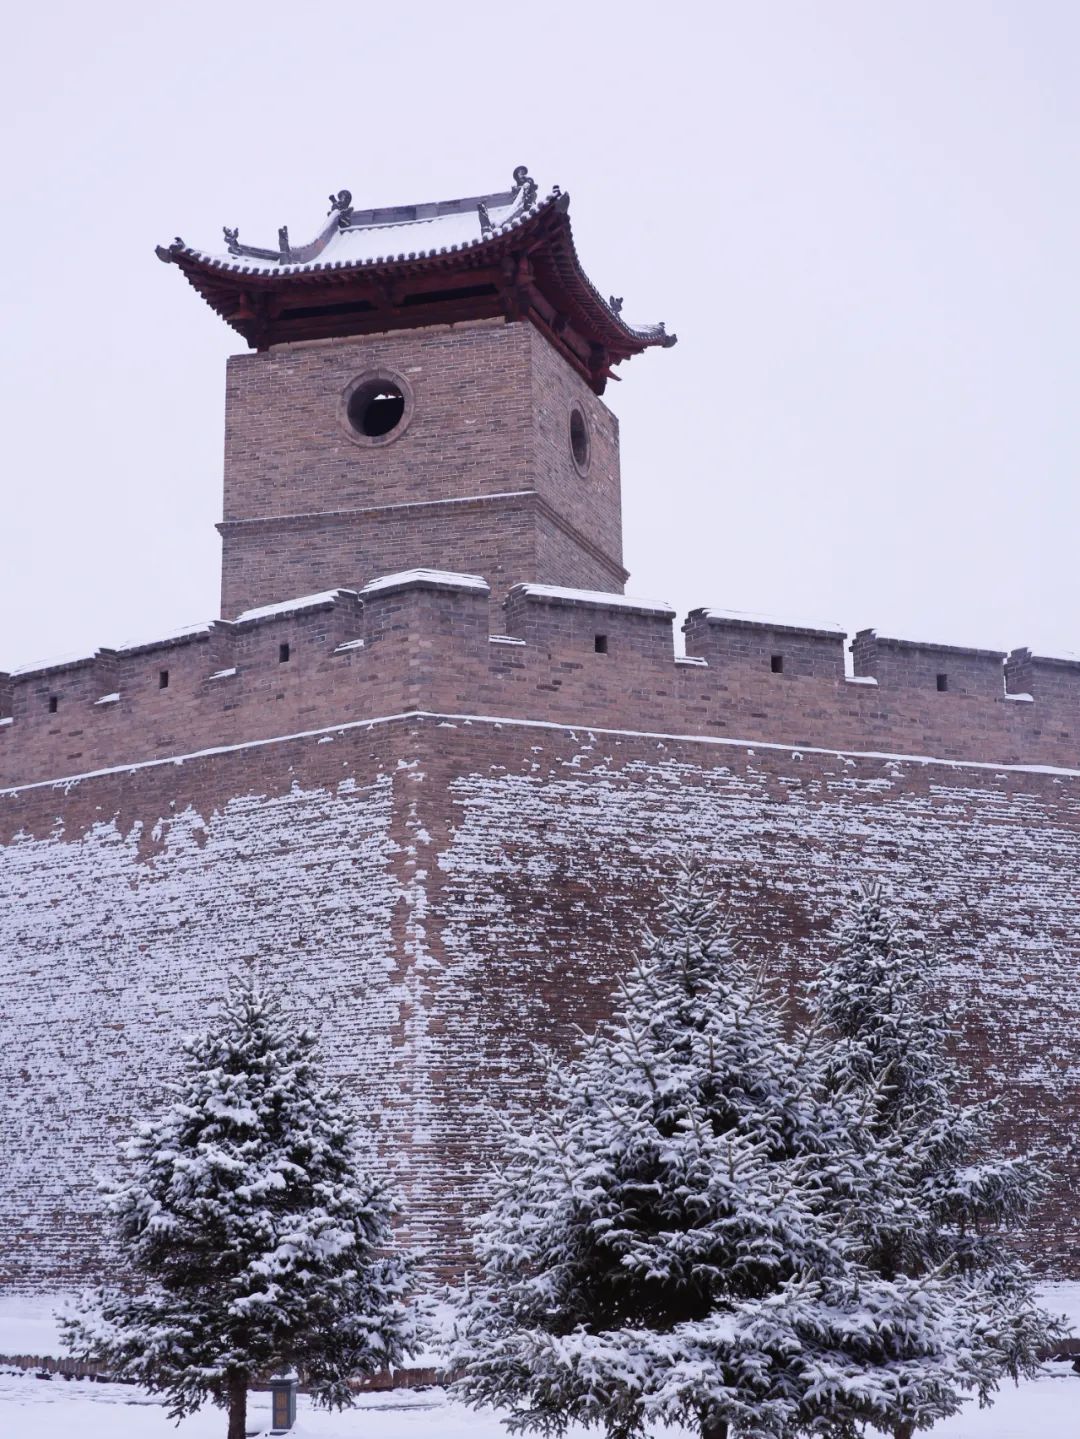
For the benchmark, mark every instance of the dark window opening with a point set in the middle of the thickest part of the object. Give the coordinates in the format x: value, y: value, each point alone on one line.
x: 376, y: 408
x: 435, y: 297
x: 943, y: 683
x: 282, y: 654
x: 54, y: 704
x: 579, y: 439
x: 600, y: 644
x: 315, y: 312
x: 776, y: 664
x: 163, y: 679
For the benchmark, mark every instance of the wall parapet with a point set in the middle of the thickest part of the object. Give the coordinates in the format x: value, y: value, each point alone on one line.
x: 727, y: 638
x: 920, y: 665
x: 1043, y: 676
x: 422, y: 640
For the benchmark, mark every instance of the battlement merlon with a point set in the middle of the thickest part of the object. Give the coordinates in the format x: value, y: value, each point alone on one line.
x: 928, y: 666
x: 420, y: 641
x: 724, y: 637
x: 1046, y: 677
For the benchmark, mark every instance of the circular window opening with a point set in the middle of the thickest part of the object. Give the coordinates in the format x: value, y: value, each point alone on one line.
x: 376, y: 408
x: 579, y: 439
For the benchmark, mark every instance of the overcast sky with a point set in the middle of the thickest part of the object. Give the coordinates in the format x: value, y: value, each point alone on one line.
x: 861, y: 218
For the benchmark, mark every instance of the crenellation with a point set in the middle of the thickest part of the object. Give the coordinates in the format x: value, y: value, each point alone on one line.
x: 424, y: 640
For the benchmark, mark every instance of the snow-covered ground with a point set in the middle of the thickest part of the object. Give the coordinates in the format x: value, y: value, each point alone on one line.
x: 31, y: 1408
x: 1047, y: 1408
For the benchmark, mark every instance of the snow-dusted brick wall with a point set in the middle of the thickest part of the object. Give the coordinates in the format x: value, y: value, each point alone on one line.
x: 123, y: 902
x: 441, y: 894
x: 557, y: 837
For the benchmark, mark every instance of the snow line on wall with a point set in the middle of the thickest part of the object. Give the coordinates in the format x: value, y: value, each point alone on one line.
x: 731, y: 741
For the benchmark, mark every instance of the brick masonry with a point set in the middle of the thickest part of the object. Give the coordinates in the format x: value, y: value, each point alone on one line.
x: 434, y: 810
x: 439, y: 893
x: 480, y: 478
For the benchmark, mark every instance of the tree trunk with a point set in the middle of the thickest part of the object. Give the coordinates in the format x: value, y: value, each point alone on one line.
x: 238, y: 1387
x: 905, y: 1430
x: 717, y: 1430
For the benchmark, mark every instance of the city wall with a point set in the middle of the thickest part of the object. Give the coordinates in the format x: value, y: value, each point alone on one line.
x: 440, y: 893
x: 422, y: 641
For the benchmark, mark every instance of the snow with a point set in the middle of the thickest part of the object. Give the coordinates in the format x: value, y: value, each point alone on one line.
x: 505, y: 640
x: 746, y: 617
x: 287, y: 607
x: 203, y: 627
x: 28, y: 1324
x: 405, y: 239
x: 112, y: 699
x: 223, y: 674
x: 1023, y: 698
x: 861, y: 680
x: 439, y: 579
x: 349, y: 645
x: 34, y: 1409
x: 695, y: 660
x: 68, y: 661
x: 600, y: 598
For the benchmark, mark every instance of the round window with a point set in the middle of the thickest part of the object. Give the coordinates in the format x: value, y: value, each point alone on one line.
x: 376, y: 407
x: 579, y: 439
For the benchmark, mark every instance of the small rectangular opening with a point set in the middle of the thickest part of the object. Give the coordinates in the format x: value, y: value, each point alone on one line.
x: 776, y: 664
x: 163, y: 679
x: 600, y: 644
x: 54, y: 704
x: 942, y: 683
x: 282, y: 653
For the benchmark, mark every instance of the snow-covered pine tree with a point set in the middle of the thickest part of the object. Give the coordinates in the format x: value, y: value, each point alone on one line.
x: 663, y: 1242
x: 254, y: 1236
x: 933, y: 1199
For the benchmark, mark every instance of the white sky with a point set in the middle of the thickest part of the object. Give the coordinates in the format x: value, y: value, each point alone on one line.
x: 861, y: 218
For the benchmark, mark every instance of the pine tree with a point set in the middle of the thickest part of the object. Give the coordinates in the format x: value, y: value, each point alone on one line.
x: 933, y: 1198
x: 667, y: 1242
x: 253, y: 1236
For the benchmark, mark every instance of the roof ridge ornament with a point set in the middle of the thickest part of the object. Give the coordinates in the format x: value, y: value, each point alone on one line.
x: 342, y: 203
x: 522, y: 198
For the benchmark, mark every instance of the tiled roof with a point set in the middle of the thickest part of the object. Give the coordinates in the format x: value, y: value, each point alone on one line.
x: 517, y: 243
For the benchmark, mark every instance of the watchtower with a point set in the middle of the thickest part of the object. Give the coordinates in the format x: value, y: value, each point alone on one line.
x: 423, y: 390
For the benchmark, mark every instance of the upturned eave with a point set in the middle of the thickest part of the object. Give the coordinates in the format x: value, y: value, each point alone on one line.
x: 528, y: 269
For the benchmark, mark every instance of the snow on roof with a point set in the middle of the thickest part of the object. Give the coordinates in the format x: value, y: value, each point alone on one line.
x: 600, y: 599
x: 745, y: 617
x: 285, y: 607
x: 430, y: 579
x: 427, y: 234
x: 388, y: 235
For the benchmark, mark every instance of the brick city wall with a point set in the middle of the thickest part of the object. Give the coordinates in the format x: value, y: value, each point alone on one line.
x: 309, y: 505
x: 437, y: 891
x: 425, y: 645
